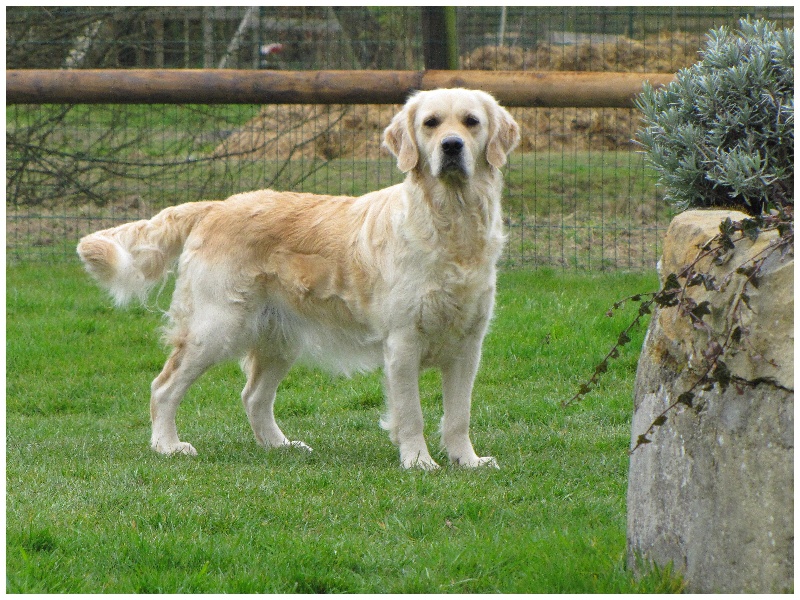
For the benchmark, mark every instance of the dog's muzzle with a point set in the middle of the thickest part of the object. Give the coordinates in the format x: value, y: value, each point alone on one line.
x: 452, y: 148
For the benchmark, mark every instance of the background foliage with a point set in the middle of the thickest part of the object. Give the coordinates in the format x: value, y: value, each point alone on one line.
x: 579, y: 196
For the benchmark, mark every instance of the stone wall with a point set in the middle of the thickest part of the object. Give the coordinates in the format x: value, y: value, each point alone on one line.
x: 713, y: 494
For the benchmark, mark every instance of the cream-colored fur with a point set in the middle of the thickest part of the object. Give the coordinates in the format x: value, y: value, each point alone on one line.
x: 402, y: 278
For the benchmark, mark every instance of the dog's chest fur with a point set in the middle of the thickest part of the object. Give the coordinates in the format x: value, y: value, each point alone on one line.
x: 444, y: 275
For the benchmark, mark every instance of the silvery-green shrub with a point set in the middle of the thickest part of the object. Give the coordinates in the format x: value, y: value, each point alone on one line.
x: 722, y: 133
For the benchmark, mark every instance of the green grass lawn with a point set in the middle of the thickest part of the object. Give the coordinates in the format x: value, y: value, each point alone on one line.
x: 90, y: 508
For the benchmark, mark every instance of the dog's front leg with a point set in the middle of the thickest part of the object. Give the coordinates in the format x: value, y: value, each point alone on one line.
x: 402, y: 356
x: 458, y: 376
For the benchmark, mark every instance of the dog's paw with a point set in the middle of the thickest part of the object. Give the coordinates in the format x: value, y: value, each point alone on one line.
x: 426, y: 463
x: 297, y: 444
x: 477, y: 461
x: 176, y: 448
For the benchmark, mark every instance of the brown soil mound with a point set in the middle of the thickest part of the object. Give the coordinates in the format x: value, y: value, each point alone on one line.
x: 336, y: 131
x: 281, y: 132
x: 328, y: 132
x: 665, y: 54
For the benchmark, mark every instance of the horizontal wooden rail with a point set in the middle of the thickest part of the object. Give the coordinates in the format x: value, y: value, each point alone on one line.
x: 227, y: 86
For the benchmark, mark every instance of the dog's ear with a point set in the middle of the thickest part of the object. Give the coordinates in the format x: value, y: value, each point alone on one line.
x: 399, y: 138
x: 503, y: 136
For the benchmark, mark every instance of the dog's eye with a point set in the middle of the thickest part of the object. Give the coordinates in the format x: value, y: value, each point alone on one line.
x: 431, y: 122
x: 471, y: 121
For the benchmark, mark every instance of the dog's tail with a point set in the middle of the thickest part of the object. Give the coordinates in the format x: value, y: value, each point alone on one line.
x: 130, y: 259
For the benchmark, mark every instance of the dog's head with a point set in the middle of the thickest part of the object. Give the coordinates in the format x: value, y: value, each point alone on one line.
x: 451, y: 133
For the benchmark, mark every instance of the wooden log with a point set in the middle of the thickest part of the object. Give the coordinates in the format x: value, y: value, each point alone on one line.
x: 551, y: 89
x: 208, y: 86
x: 227, y: 86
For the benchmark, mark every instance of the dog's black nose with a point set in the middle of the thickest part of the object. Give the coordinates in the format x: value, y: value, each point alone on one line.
x: 452, y: 145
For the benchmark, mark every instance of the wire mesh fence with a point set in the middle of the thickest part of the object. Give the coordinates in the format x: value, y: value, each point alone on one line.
x: 348, y: 37
x: 577, y: 195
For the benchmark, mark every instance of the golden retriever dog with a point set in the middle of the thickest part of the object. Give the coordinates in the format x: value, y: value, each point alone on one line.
x: 402, y: 278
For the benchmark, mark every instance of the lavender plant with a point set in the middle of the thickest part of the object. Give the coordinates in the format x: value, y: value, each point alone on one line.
x: 722, y: 134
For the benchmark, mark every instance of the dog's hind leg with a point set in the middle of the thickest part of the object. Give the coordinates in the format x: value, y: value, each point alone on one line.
x: 264, y: 374
x: 185, y: 364
x: 201, y: 339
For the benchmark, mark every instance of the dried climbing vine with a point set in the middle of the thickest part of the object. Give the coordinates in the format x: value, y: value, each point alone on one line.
x: 712, y: 369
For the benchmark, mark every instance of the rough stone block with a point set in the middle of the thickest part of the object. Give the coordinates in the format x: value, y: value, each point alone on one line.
x: 713, y: 493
